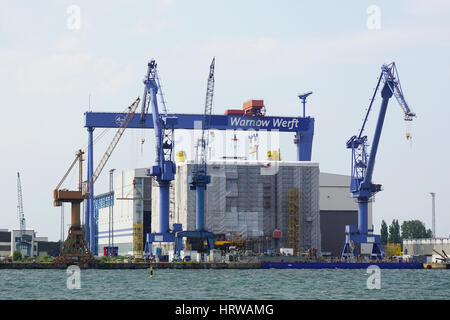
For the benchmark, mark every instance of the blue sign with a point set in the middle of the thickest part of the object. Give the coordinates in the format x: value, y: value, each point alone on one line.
x: 194, y: 121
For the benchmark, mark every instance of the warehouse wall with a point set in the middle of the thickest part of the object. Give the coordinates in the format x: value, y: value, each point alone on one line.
x: 423, y: 247
x: 127, y: 212
x: 332, y: 228
x: 337, y: 209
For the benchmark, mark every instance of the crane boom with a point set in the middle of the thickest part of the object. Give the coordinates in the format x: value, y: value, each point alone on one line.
x: 391, y: 77
x: 152, y: 74
x: 199, y: 170
x: 164, y: 168
x: 391, y: 87
x: 79, y: 154
x: 199, y: 179
x: 20, y: 213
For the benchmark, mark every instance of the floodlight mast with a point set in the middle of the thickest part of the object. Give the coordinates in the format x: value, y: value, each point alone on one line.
x: 303, y: 98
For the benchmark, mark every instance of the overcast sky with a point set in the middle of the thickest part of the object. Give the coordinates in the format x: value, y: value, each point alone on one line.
x: 51, y: 62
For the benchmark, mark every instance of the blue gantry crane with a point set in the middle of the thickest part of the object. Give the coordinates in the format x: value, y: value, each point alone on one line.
x: 358, y: 240
x: 164, y: 124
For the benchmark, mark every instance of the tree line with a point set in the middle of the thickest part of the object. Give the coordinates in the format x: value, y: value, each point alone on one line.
x: 412, y: 229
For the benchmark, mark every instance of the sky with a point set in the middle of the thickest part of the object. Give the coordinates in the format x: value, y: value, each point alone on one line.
x: 59, y: 59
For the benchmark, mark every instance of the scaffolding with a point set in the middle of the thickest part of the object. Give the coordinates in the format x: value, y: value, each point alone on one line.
x: 138, y: 240
x: 293, y: 225
x: 136, y: 194
x: 247, y: 199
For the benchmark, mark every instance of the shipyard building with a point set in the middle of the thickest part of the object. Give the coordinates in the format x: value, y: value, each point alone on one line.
x: 433, y: 249
x: 269, y: 204
x: 337, y: 209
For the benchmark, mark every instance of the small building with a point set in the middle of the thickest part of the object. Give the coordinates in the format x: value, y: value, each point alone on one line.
x: 5, y: 242
x: 124, y: 217
x: 27, y: 243
x: 427, y: 247
x: 24, y: 240
x: 47, y: 248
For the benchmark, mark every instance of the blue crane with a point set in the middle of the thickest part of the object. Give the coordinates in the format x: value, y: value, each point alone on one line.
x: 358, y: 240
x: 164, y: 168
x: 199, y: 178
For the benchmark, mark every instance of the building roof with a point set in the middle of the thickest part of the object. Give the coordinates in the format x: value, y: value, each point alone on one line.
x: 255, y: 162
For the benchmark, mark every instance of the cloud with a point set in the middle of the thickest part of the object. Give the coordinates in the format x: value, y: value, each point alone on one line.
x: 287, y: 55
x: 240, y: 49
x: 150, y: 27
x: 428, y: 7
x: 68, y: 43
x: 366, y: 46
x: 167, y: 2
x: 62, y: 72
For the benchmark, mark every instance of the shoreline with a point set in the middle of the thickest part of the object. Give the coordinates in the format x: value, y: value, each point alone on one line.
x: 225, y: 265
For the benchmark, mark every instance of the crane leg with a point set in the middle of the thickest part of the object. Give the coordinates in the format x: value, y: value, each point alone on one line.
x: 75, y: 216
x: 304, y: 140
x: 200, y: 208
x: 75, y: 248
x: 363, y: 213
x: 90, y: 201
x: 164, y: 198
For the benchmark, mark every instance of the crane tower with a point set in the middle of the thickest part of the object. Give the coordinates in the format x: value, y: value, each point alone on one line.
x: 358, y: 239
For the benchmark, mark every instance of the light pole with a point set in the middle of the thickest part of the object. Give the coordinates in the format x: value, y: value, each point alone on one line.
x: 111, y: 214
x: 433, y: 219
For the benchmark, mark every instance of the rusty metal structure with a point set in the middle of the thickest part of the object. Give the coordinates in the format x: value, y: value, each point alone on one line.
x: 75, y: 247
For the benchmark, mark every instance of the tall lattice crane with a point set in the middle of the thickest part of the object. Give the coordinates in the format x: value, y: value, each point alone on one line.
x: 20, y: 214
x: 199, y: 178
x: 24, y: 243
x: 361, y: 187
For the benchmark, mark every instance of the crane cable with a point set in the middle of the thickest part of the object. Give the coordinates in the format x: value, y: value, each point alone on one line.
x: 408, y: 134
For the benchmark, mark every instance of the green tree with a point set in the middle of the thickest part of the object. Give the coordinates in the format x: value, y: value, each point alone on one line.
x: 384, y: 232
x: 394, y: 232
x: 17, y: 255
x: 415, y: 229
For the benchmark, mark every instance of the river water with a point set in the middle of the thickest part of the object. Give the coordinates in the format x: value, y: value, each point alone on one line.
x: 262, y: 284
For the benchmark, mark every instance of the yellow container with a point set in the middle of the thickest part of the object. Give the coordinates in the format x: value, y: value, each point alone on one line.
x: 181, y: 156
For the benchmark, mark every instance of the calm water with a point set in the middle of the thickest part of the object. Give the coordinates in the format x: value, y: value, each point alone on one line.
x: 225, y: 284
